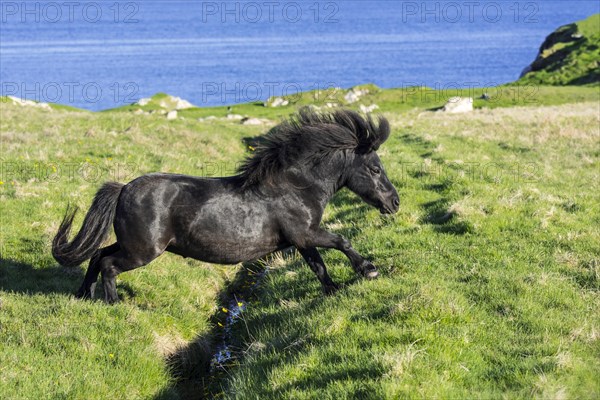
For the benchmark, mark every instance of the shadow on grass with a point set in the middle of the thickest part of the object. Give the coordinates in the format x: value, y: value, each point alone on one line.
x: 24, y: 278
x: 443, y: 219
x: 193, y: 370
x: 296, y: 300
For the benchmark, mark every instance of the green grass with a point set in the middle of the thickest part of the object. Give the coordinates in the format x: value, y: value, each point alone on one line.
x: 489, y: 281
x: 489, y: 272
x: 50, y: 344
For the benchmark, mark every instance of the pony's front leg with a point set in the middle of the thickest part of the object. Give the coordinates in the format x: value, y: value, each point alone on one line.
x: 313, y: 259
x: 322, y: 238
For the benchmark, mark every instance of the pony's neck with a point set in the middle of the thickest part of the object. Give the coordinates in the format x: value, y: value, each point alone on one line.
x: 329, y: 178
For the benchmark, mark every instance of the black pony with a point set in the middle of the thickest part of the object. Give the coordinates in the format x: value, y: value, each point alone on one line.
x: 276, y: 201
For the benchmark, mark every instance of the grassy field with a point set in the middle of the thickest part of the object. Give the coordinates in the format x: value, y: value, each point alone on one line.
x: 490, y: 272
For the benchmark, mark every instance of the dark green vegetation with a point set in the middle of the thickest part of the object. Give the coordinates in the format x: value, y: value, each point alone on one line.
x: 568, y: 56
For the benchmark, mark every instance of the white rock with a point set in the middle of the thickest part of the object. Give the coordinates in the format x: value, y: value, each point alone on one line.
x: 252, y: 121
x: 175, y: 103
x: 181, y: 104
x: 171, y: 115
x: 277, y: 102
x: 139, y: 111
x: 354, y: 95
x: 368, y: 109
x: 29, y: 103
x: 234, y: 116
x: 351, y: 97
x: 457, y: 105
x: 143, y: 102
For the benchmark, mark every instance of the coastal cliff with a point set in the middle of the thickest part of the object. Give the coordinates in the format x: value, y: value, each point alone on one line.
x: 569, y: 56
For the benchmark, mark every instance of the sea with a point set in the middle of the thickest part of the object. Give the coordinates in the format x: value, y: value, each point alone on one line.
x: 99, y: 55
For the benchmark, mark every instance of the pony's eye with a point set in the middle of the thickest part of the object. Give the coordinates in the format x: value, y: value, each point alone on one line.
x: 376, y: 170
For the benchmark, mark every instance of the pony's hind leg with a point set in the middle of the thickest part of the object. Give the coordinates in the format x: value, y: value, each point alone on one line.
x: 113, y: 265
x: 86, y: 291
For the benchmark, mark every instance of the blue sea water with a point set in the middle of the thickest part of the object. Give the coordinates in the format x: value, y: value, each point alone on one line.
x: 104, y: 54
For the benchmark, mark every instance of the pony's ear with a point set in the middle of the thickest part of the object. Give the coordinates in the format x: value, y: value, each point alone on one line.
x: 378, y: 133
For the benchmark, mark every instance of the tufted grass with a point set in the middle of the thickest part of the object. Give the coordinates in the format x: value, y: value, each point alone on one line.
x: 489, y: 282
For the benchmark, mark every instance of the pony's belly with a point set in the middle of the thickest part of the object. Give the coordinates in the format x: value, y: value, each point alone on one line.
x: 224, y: 252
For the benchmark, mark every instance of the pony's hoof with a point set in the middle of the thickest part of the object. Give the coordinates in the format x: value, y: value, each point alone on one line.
x: 369, y: 271
x: 86, y: 293
x: 330, y: 289
x: 372, y: 274
x: 111, y: 299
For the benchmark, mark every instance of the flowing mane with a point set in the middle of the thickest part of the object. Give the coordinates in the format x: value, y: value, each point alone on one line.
x: 310, y: 136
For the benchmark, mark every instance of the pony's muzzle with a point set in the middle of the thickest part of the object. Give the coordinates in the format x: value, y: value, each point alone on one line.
x: 392, y: 205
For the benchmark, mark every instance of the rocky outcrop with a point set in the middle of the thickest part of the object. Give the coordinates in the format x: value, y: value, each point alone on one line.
x: 457, y: 105
x: 29, y: 103
x: 276, y: 102
x: 166, y: 102
x: 353, y: 95
x: 569, y: 56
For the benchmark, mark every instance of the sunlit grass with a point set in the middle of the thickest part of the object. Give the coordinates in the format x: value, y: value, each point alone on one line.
x: 489, y: 272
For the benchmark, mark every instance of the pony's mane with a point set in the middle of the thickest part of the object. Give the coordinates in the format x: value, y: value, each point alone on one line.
x: 310, y: 136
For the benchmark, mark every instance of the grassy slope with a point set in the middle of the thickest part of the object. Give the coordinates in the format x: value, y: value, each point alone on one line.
x: 50, y: 344
x: 489, y: 272
x: 569, y: 56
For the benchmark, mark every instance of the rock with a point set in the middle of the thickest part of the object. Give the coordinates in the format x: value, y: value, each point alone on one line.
x: 167, y: 102
x: 276, y: 102
x: 139, y: 111
x: 368, y: 109
x: 331, y: 105
x: 354, y: 95
x: 171, y: 115
x: 175, y: 103
x: 252, y: 121
x: 234, y: 117
x: 485, y: 96
x: 29, y: 103
x: 181, y: 104
x: 457, y: 105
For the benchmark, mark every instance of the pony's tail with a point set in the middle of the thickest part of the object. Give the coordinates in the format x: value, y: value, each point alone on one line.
x: 93, y: 232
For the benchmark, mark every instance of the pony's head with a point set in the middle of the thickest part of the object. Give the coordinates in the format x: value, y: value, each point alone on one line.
x: 367, y: 178
x: 311, y: 141
x: 365, y: 174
